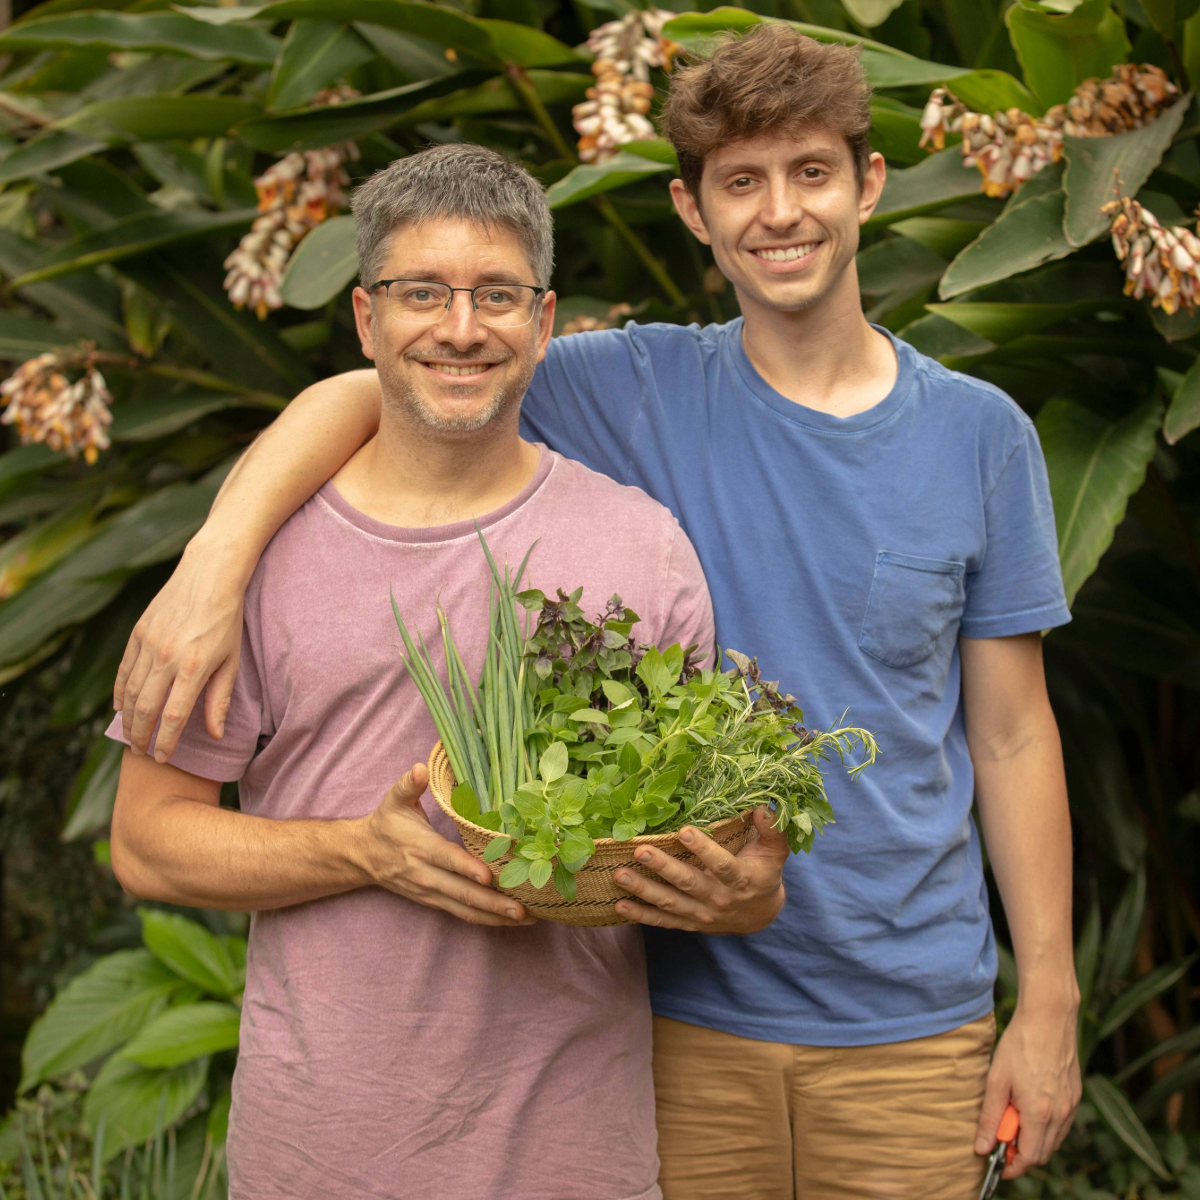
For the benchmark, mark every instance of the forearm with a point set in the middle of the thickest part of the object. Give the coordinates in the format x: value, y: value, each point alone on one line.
x: 306, y: 444
x: 184, y: 851
x: 1021, y: 792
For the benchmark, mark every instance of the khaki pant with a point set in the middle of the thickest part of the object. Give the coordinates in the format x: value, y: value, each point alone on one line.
x: 740, y: 1119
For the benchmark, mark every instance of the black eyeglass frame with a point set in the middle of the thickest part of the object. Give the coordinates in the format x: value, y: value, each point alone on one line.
x: 538, y: 292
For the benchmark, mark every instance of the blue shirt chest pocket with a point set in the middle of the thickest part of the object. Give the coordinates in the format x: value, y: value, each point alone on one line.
x: 914, y: 606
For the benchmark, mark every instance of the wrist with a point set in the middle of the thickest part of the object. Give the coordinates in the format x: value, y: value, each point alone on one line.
x: 1049, y: 994
x: 354, y: 849
x: 221, y: 557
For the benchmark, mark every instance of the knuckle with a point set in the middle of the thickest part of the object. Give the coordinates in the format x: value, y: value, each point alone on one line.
x: 143, y: 709
x: 164, y: 654
x: 191, y: 663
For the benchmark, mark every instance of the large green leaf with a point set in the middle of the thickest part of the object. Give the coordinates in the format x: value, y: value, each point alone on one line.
x: 1098, y: 169
x: 1117, y: 1113
x: 192, y: 952
x: 895, y: 264
x: 1059, y: 51
x: 315, y: 54
x: 1023, y: 237
x: 590, y: 179
x: 1183, y: 415
x: 159, y: 118
x: 988, y: 90
x: 1000, y: 322
x: 1135, y: 997
x: 938, y: 181
x: 165, y: 33
x: 135, y: 1102
x: 135, y: 235
x: 413, y: 58
x: 1095, y: 466
x: 1166, y: 14
x: 935, y: 336
x: 143, y: 420
x: 23, y: 337
x: 870, y: 13
x: 185, y: 1032
x: 49, y: 150
x: 90, y: 804
x: 98, y: 1010
x: 1121, y: 937
x: 322, y: 265
x: 496, y: 95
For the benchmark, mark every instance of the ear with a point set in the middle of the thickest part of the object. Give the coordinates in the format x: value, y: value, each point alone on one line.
x: 872, y: 187
x: 364, y: 320
x: 546, y: 323
x: 689, y: 210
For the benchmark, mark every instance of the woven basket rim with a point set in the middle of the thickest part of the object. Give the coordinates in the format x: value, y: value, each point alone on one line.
x: 641, y: 839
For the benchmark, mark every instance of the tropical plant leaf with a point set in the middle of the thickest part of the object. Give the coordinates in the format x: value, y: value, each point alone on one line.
x: 999, y: 323
x: 185, y: 1032
x: 942, y: 339
x: 133, y: 236
x: 159, y: 118
x: 53, y: 149
x: 323, y: 264
x: 23, y: 337
x: 897, y: 264
x: 161, y: 32
x: 1183, y: 414
x: 191, y: 952
x: 135, y: 1102
x: 1087, y: 955
x: 657, y: 150
x: 497, y: 95
x: 988, y: 90
x: 1139, y: 994
x: 938, y: 181
x: 1117, y: 1113
x: 1175, y: 1080
x: 1120, y: 942
x: 1099, y: 169
x: 414, y: 58
x: 870, y: 13
x: 1095, y: 466
x: 1059, y: 51
x: 142, y: 420
x: 101, y: 1008
x: 590, y: 179
x: 315, y: 54
x: 1181, y: 1043
x: 1021, y: 239
x: 90, y: 804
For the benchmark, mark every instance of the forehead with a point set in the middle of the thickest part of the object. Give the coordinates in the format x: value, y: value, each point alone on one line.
x: 779, y: 149
x: 454, y: 250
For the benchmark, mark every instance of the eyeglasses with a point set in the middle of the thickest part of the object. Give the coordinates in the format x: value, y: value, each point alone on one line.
x: 497, y: 305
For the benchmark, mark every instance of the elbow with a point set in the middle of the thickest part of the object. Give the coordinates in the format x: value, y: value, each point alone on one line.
x: 131, y: 872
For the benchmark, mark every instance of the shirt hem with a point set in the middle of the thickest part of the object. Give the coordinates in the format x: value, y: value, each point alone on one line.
x: 789, y: 1032
x: 1036, y: 619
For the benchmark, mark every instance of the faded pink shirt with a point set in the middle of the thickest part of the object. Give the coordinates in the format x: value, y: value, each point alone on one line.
x: 388, y: 1049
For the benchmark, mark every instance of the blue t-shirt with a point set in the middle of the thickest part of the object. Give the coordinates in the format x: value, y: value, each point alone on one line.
x: 849, y: 554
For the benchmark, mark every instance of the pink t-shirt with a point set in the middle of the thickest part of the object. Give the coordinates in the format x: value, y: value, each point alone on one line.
x: 388, y: 1049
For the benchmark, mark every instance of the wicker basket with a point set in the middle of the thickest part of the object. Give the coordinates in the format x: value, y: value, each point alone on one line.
x: 596, y: 891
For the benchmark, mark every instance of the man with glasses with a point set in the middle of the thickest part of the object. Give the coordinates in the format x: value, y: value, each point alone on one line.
x: 407, y: 1030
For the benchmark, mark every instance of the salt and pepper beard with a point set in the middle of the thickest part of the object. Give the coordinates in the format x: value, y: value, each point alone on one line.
x: 399, y: 391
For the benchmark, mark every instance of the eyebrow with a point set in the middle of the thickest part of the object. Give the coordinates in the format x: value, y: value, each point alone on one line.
x: 433, y: 277
x: 827, y: 153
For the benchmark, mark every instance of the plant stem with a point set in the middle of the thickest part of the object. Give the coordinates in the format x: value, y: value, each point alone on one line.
x: 519, y: 80
x: 605, y: 207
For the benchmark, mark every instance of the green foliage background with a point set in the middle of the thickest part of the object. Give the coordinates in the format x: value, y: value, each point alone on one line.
x: 130, y: 134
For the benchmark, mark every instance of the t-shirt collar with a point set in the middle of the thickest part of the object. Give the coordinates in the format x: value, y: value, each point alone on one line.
x: 811, y: 418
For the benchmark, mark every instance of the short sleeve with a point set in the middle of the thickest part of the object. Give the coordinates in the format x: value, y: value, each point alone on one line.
x: 687, y: 615
x: 1018, y: 587
x: 200, y: 754
x: 585, y: 399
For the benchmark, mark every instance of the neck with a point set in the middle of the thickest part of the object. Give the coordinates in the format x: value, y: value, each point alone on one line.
x: 825, y: 357
x: 420, y: 477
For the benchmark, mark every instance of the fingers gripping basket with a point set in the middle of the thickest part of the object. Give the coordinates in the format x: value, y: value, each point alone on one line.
x: 596, y: 891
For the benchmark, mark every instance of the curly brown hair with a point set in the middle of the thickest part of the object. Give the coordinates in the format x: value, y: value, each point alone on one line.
x: 769, y: 80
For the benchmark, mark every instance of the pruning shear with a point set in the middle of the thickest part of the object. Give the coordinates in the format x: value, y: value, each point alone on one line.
x: 1004, y: 1153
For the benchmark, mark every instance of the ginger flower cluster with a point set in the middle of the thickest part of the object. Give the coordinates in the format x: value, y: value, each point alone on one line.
x: 585, y: 324
x: 1011, y: 147
x: 616, y: 109
x: 1163, y: 264
x: 295, y: 195
x: 47, y: 407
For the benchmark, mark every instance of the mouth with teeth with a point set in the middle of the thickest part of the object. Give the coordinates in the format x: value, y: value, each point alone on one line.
x: 786, y: 254
x: 470, y: 370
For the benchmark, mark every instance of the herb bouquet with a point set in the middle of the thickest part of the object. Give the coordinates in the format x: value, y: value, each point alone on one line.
x: 576, y: 746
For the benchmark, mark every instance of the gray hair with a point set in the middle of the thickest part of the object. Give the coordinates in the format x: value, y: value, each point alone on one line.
x: 459, y: 180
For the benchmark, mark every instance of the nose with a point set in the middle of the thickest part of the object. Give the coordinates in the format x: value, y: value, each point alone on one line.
x: 460, y: 326
x: 783, y: 206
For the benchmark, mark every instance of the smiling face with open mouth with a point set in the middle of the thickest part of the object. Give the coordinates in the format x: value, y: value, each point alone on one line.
x: 452, y: 369
x: 782, y: 213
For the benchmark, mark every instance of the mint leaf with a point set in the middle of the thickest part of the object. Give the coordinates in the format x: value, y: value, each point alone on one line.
x: 496, y: 848
x: 515, y: 873
x: 553, y: 763
x: 539, y: 873
x: 564, y: 882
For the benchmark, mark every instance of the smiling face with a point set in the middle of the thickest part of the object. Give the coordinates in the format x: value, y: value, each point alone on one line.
x: 782, y: 214
x: 455, y: 376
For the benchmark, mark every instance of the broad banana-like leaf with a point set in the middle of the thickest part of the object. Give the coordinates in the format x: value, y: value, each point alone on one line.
x: 1183, y: 415
x: 323, y: 264
x: 1022, y: 238
x: 161, y: 32
x: 934, y: 335
x: 192, y: 952
x: 1166, y: 14
x: 143, y: 420
x: 97, y: 1011
x: 49, y: 150
x: 1100, y: 169
x: 657, y: 150
x: 1117, y: 1113
x: 90, y: 804
x: 944, y: 236
x: 36, y: 549
x: 1000, y: 323
x: 591, y: 179
x: 159, y: 118
x: 1095, y: 466
x: 415, y: 58
x: 897, y: 264
x: 132, y: 237
x: 870, y: 13
x: 938, y: 181
x: 22, y: 337
x: 896, y: 131
x: 315, y: 54
x: 1059, y: 51
x: 135, y: 1102
x: 186, y: 1032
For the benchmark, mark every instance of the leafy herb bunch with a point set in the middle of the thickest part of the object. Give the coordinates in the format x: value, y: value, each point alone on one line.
x: 575, y: 732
